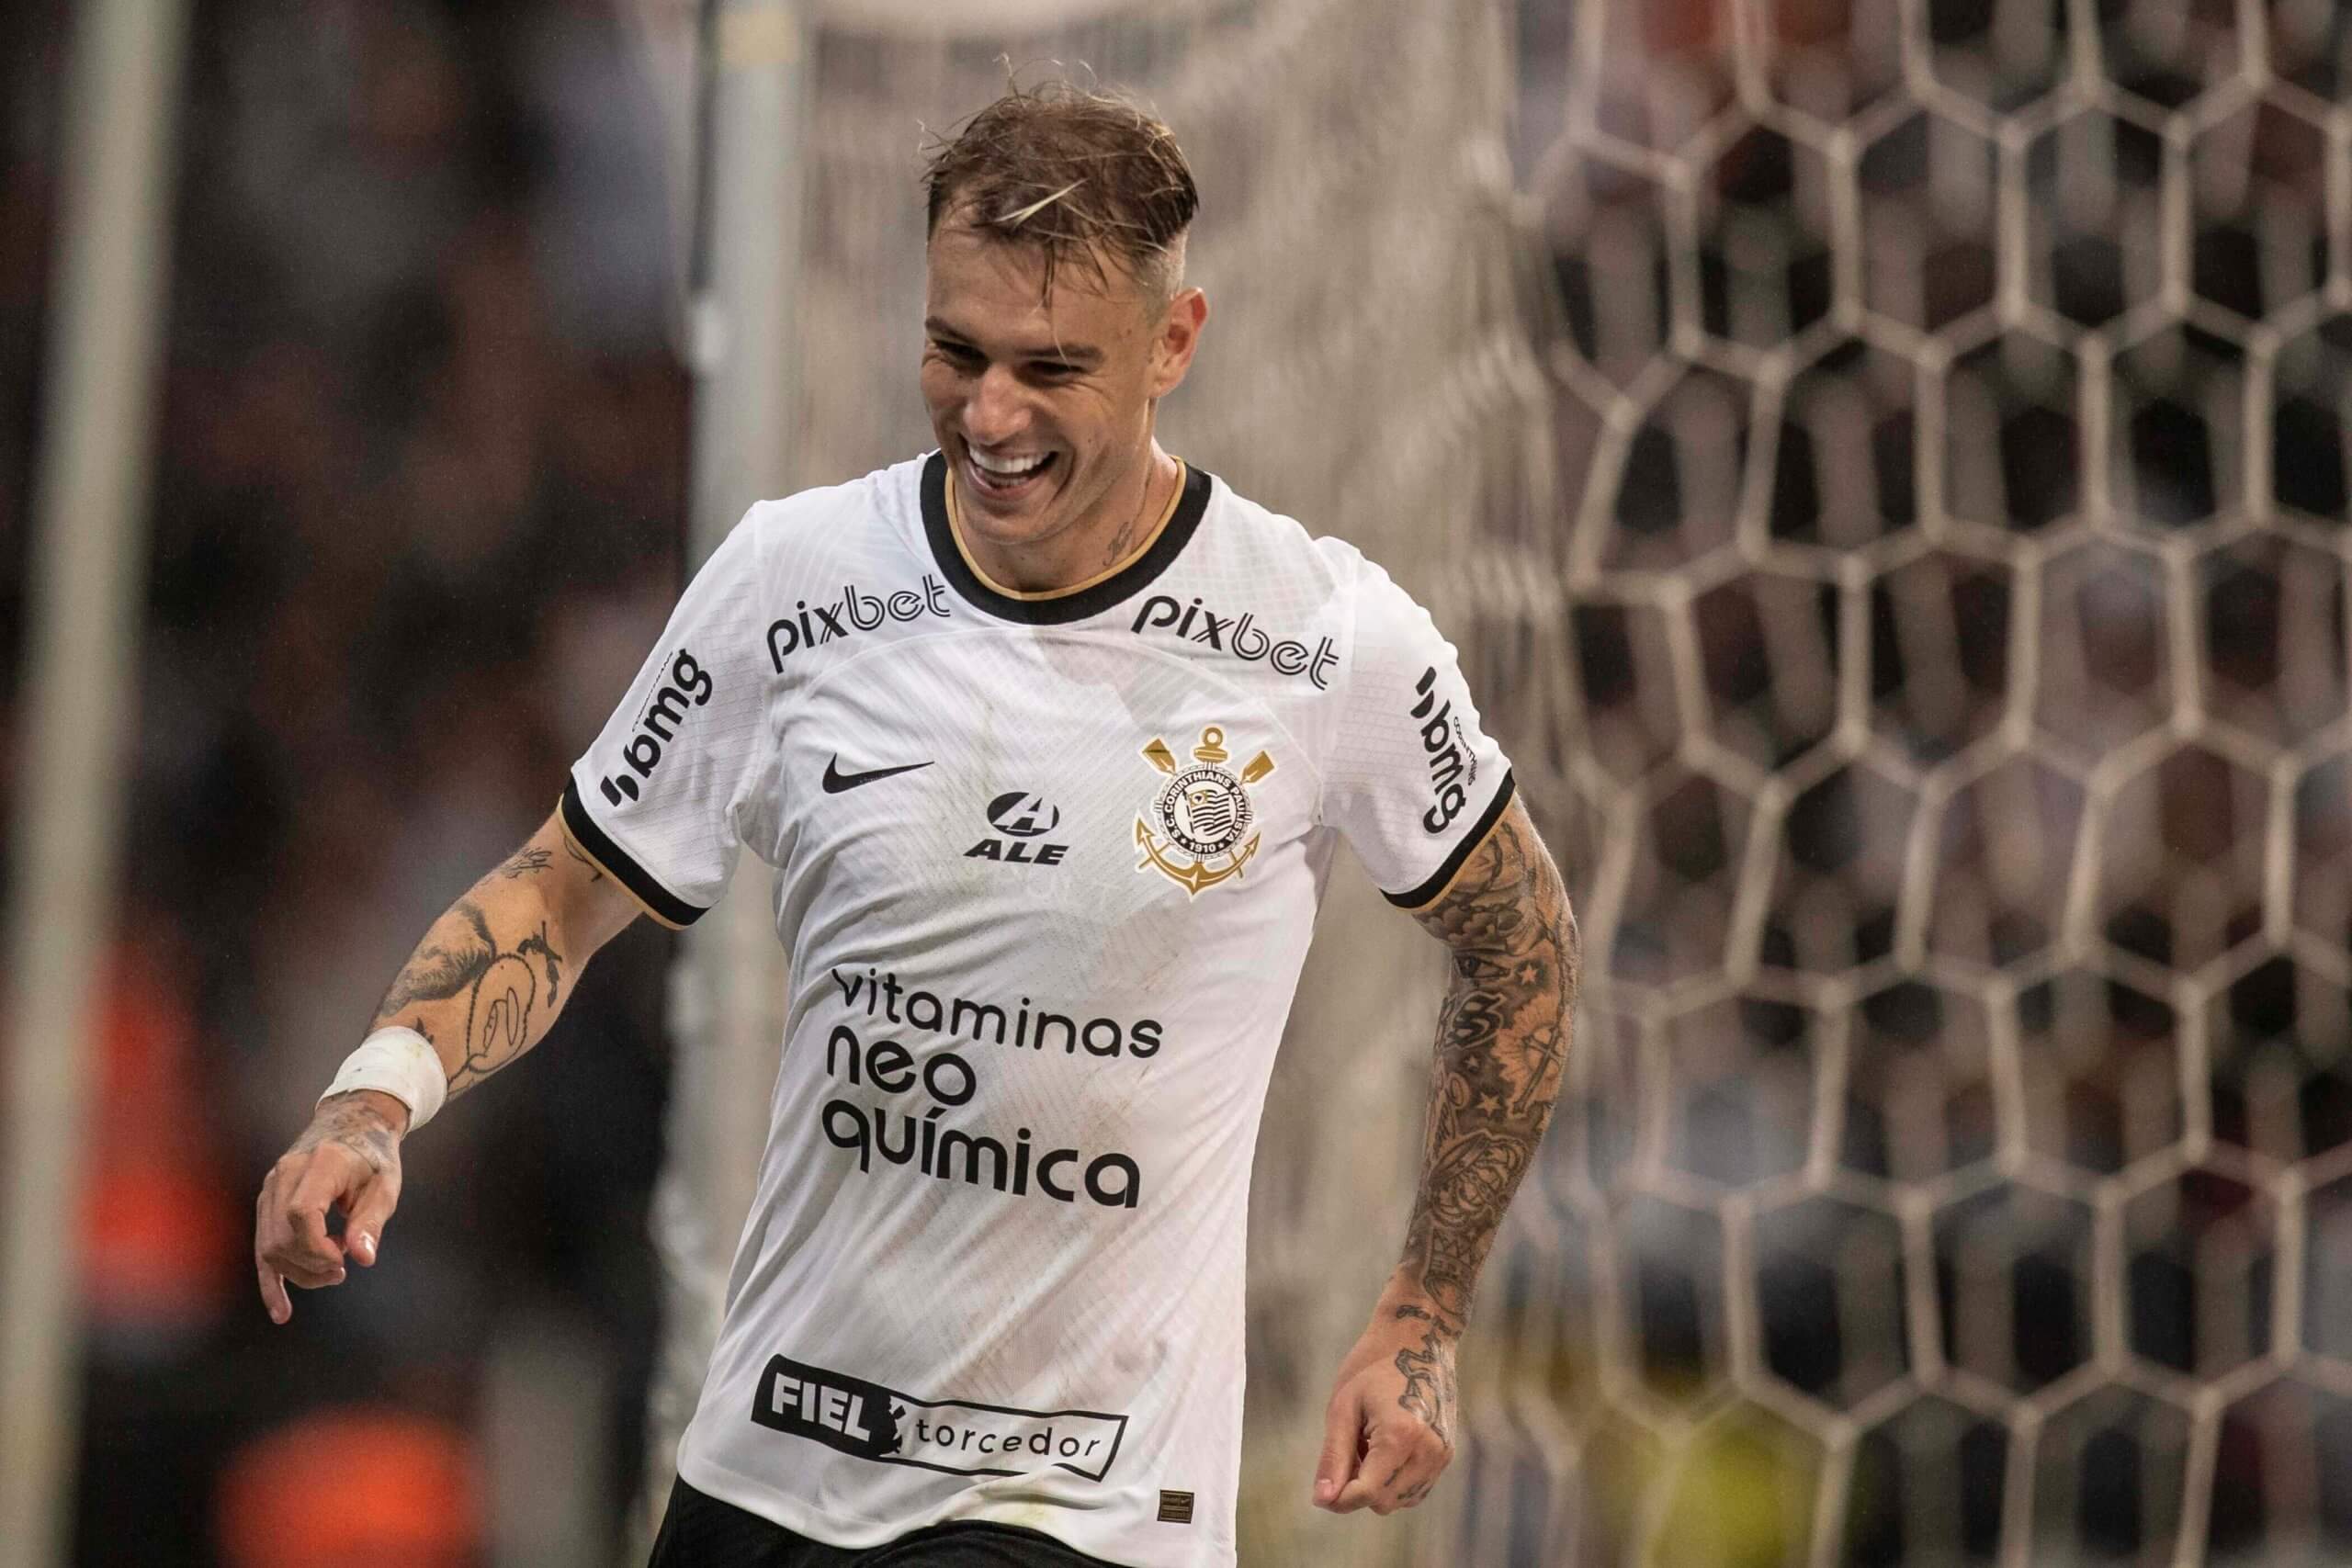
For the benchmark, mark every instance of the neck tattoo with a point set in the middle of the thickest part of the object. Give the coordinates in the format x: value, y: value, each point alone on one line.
x: 1123, y: 538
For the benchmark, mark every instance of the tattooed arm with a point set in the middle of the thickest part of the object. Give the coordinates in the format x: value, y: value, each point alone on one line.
x: 490, y: 974
x: 482, y: 988
x: 1502, y: 1041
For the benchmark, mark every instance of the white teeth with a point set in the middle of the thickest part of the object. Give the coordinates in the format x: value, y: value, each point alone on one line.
x: 1007, y: 468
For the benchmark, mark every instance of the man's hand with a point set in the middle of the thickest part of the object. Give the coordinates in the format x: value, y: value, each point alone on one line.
x: 1388, y: 1431
x: 349, y: 1158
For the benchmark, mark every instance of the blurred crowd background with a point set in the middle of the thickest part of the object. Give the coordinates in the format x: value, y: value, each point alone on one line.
x: 417, y: 513
x: 1884, y: 466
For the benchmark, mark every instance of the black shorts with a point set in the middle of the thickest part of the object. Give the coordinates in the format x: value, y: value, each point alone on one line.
x: 700, y: 1532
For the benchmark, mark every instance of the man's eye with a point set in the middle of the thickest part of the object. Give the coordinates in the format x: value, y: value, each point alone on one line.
x: 1053, y: 368
x: 962, y: 353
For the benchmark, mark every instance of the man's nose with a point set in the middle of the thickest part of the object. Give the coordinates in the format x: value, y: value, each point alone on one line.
x: 995, y: 412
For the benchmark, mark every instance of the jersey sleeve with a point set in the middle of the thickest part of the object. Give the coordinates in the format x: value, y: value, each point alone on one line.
x: 661, y: 799
x: 1413, y: 782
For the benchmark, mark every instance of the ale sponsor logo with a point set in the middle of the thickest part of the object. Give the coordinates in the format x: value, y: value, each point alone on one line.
x: 1019, y: 818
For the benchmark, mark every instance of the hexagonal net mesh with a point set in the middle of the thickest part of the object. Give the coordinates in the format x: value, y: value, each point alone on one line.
x: 1944, y: 461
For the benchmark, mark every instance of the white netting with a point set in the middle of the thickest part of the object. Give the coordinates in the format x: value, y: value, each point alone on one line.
x: 1944, y: 468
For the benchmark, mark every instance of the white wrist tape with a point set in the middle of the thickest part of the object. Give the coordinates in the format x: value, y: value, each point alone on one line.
x: 401, y: 1063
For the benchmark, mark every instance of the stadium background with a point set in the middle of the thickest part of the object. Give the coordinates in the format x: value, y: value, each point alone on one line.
x: 1883, y: 464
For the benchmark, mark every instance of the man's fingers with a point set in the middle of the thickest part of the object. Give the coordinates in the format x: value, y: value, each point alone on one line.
x: 1405, y: 1486
x: 1374, y: 1474
x: 292, y: 1245
x: 290, y: 1229
x: 1342, y: 1439
x: 363, y: 1225
x: 1397, y: 1471
x: 273, y: 1293
x: 306, y: 1217
x: 273, y: 1288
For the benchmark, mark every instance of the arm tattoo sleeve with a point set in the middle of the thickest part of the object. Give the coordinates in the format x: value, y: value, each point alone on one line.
x: 527, y: 860
x: 1502, y: 1042
x: 493, y: 998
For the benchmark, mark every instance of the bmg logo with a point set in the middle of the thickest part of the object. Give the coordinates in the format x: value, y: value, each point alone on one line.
x: 689, y: 687
x: 1447, y: 753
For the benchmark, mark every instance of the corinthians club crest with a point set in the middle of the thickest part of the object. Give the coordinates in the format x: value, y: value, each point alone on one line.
x: 1200, y: 828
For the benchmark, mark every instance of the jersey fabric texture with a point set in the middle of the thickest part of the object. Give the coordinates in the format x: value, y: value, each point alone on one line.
x: 700, y: 1532
x: 1048, y: 867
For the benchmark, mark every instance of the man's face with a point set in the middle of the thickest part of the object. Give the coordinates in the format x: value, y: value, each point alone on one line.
x: 1044, y: 407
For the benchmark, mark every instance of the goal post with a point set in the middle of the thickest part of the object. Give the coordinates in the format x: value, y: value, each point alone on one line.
x: 80, y: 687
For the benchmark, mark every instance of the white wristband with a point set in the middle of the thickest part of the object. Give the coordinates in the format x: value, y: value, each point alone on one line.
x: 401, y: 1063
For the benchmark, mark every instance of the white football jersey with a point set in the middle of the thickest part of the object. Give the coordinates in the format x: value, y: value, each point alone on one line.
x: 1047, y: 868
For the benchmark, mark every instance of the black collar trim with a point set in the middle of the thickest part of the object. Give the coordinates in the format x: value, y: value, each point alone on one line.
x: 1061, y: 609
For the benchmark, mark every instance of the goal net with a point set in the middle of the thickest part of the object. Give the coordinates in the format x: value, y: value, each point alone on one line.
x: 1944, y: 483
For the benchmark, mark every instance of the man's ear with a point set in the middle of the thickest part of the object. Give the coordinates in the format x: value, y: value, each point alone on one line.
x: 1179, y: 337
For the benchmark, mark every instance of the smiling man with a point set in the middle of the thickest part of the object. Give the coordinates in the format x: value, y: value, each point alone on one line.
x: 1051, y: 737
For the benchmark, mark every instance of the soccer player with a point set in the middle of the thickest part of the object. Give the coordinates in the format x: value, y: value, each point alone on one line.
x: 1050, y: 736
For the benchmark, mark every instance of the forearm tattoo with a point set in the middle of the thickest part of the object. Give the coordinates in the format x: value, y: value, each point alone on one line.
x: 463, y: 985
x: 527, y: 860
x: 1428, y: 1370
x: 1502, y: 1042
x: 595, y: 872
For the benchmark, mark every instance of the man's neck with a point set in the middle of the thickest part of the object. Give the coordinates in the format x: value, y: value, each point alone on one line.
x: 1123, y: 529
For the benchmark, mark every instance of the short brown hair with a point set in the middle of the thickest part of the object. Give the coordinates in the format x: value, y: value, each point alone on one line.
x: 1080, y: 174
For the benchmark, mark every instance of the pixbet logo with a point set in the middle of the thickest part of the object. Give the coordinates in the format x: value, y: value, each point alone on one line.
x: 1238, y: 636
x: 854, y: 612
x: 1022, y: 818
x: 1446, y: 751
x: 689, y: 685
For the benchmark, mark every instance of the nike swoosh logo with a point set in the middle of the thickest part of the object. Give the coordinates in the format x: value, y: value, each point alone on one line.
x: 836, y: 781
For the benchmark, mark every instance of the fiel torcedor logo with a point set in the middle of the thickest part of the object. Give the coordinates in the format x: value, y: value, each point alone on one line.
x: 868, y: 1420
x: 1198, y: 830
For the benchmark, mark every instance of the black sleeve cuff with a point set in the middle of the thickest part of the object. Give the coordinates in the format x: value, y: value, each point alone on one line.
x: 1418, y: 897
x: 598, y: 846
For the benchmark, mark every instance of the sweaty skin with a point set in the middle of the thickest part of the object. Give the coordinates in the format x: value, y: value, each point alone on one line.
x: 1502, y: 1042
